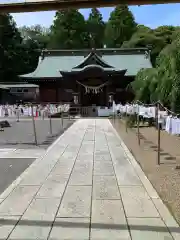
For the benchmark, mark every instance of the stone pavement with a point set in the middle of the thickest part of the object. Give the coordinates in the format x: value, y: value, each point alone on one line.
x: 87, y: 186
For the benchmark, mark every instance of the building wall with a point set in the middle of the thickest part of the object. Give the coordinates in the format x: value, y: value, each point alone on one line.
x: 55, y: 94
x: 25, y: 93
x: 65, y: 95
x: 58, y: 92
x: 47, y: 94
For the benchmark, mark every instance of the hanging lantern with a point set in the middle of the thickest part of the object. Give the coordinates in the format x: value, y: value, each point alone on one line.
x: 76, y: 100
x: 110, y: 98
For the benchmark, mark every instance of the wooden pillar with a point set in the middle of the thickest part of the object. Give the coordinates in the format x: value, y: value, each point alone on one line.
x: 110, y: 98
x: 57, y: 92
x: 76, y: 98
x: 79, y: 94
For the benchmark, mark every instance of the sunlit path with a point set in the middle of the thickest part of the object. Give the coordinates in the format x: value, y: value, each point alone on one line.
x: 87, y: 186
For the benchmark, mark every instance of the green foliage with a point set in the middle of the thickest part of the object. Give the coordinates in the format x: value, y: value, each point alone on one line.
x: 36, y: 34
x: 156, y: 39
x: 144, y: 82
x: 163, y: 82
x: 95, y: 27
x: 68, y: 30
x: 10, y: 47
x: 120, y: 27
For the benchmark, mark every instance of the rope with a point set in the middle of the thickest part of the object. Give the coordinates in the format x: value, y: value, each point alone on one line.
x: 94, y: 89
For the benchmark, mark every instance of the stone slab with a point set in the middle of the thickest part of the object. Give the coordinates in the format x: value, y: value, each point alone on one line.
x: 168, y: 218
x: 34, y: 179
x: 82, y: 173
x: 101, y: 152
x: 85, y: 157
x: 76, y: 202
x: 103, y: 168
x: 105, y: 187
x: 63, y: 168
x: 41, y: 210
x: 57, y: 178
x: 70, y: 229
x: 148, y: 228
x: 125, y: 174
x: 108, y: 220
x: 17, y: 202
x: 69, y: 155
x: 89, y: 136
x: 7, y: 223
x: 22, y: 232
x: 102, y: 157
x: 145, y: 181
x: 137, y: 202
x: 51, y: 190
x: 86, y: 149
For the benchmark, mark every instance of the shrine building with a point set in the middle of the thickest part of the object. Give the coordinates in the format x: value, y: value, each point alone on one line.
x: 87, y: 77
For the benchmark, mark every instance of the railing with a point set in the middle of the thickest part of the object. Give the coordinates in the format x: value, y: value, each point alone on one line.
x: 84, y: 111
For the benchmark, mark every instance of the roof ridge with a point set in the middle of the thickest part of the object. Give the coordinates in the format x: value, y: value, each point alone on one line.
x: 84, y: 52
x: 91, y: 55
x: 96, y: 49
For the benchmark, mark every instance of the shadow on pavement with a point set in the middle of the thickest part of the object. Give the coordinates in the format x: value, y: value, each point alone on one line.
x: 69, y: 224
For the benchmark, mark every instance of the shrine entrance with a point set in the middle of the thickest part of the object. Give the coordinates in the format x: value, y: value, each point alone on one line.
x: 93, y: 80
x: 89, y: 99
x: 93, y: 92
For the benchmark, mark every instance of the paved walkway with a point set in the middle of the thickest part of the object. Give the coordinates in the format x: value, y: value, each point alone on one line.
x: 87, y: 186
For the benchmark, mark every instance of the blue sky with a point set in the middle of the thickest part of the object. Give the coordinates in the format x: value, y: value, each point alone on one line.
x: 152, y: 15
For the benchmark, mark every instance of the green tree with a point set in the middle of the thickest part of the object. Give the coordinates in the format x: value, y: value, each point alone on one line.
x: 165, y: 32
x: 10, y: 46
x: 145, y: 37
x: 36, y: 33
x: 120, y: 27
x: 145, y: 82
x: 35, y: 38
x: 155, y: 39
x: 163, y: 82
x: 68, y: 30
x: 95, y: 27
x: 30, y: 53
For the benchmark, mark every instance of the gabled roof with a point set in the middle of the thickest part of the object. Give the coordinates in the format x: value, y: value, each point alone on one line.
x: 93, y: 70
x: 51, y: 63
x: 93, y: 59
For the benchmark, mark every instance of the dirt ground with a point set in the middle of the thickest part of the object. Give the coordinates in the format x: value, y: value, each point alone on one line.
x: 164, y: 177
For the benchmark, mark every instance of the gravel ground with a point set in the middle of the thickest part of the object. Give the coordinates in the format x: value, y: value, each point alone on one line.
x: 165, y: 178
x: 21, y: 134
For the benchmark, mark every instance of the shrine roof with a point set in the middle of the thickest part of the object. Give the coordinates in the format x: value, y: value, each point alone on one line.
x: 52, y: 62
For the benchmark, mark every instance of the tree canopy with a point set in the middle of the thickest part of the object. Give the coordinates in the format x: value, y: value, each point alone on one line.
x: 120, y: 26
x: 68, y: 30
x: 95, y: 28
